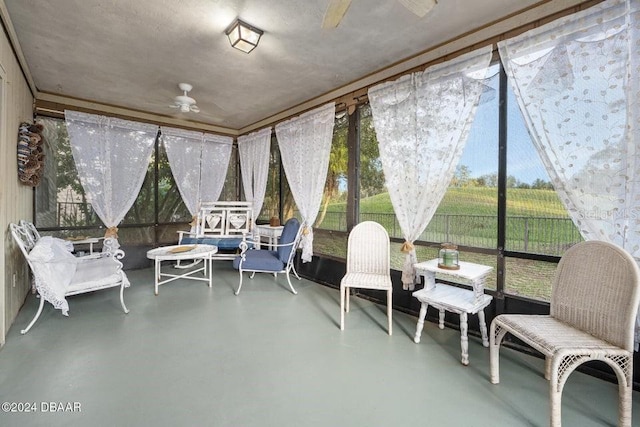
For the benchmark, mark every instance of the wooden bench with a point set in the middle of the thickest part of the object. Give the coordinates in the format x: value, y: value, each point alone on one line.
x: 222, y: 224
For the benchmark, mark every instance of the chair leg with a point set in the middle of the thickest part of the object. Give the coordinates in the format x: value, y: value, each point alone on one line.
x: 125, y: 283
x: 343, y: 289
x: 293, y: 267
x: 389, y: 308
x: 547, y: 368
x: 555, y: 400
x: 239, y: 284
x: 290, y: 285
x: 347, y: 294
x: 625, y: 396
x: 124, y: 307
x: 25, y: 330
x: 496, y: 334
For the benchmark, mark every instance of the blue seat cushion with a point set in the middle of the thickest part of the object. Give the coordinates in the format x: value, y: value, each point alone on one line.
x: 227, y: 243
x: 259, y: 260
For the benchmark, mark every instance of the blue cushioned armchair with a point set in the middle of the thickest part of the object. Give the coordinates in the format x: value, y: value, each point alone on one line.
x: 267, y: 261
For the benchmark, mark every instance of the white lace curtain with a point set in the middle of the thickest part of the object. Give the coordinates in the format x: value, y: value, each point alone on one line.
x: 422, y: 122
x: 111, y: 156
x: 255, y: 150
x: 199, y: 163
x: 576, y: 81
x: 305, y: 145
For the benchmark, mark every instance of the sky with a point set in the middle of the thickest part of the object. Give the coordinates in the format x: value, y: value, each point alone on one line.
x: 481, y: 152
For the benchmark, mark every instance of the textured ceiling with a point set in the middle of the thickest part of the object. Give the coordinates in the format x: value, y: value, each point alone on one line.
x: 133, y: 53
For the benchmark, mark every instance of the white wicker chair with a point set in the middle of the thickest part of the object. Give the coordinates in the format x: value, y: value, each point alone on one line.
x: 594, y: 302
x: 368, y: 265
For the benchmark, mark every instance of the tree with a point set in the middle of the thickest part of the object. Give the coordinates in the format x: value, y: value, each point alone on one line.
x: 337, y: 171
x: 170, y: 205
x: 371, y: 174
x: 512, y: 181
x: 540, y: 184
x: 490, y: 180
x: 461, y: 177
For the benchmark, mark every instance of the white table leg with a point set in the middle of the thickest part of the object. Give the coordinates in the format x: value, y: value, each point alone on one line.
x: 429, y: 280
x: 483, y: 328
x: 420, y: 325
x: 157, y: 275
x: 441, y: 315
x: 464, y: 340
x: 210, y: 271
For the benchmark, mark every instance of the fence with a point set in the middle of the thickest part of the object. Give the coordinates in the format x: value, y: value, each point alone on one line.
x: 541, y: 235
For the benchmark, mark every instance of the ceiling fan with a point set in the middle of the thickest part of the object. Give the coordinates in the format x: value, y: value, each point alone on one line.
x: 337, y: 9
x: 184, y: 102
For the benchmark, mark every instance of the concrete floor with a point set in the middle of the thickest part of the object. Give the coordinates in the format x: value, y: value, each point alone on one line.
x: 194, y: 356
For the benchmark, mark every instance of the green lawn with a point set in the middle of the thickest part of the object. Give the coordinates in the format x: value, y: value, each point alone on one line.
x: 537, y: 222
x: 477, y: 201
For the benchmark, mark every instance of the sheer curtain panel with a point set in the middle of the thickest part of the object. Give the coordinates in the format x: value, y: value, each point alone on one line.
x: 255, y: 150
x: 199, y: 164
x: 576, y: 81
x: 305, y: 145
x: 422, y: 121
x: 111, y: 156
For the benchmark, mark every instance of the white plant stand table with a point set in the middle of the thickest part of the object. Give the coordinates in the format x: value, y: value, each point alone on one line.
x: 454, y: 299
x: 272, y: 233
x: 179, y: 253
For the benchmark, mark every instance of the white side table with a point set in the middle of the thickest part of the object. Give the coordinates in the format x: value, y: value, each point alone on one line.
x: 454, y: 299
x: 177, y: 253
x: 271, y: 233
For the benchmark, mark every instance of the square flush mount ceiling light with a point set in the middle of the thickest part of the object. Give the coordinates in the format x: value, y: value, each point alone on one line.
x: 243, y: 36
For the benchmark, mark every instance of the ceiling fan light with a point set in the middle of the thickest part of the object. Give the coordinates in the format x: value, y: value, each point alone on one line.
x: 184, y: 103
x: 243, y: 36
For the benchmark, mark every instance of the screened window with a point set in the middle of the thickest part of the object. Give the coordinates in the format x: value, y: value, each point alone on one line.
x: 333, y: 209
x: 271, y: 206
x: 60, y: 199
x: 536, y: 220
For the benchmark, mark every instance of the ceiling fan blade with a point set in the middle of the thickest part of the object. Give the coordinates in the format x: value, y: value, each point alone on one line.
x: 419, y: 7
x: 194, y: 109
x: 335, y: 12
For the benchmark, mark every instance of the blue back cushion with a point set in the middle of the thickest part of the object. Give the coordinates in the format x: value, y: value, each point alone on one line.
x: 289, y: 233
x: 224, y: 243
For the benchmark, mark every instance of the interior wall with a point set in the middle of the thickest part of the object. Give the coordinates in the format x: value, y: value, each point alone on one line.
x: 16, y: 199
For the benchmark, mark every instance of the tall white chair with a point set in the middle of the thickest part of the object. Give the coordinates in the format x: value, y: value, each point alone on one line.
x: 594, y: 301
x: 368, y: 265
